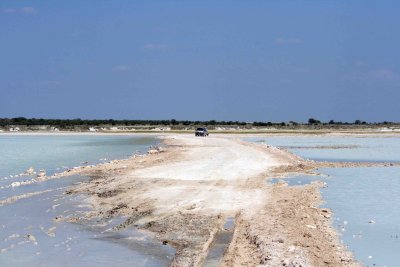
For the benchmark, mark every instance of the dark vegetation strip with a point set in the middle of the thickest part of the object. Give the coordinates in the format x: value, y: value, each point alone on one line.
x: 70, y: 123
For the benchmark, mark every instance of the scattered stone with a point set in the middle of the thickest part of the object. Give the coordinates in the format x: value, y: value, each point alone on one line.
x: 15, y: 184
x: 30, y: 171
x: 42, y: 173
x: 50, y: 232
x: 31, y: 238
x: 57, y: 218
x: 13, y: 236
x: 152, y: 151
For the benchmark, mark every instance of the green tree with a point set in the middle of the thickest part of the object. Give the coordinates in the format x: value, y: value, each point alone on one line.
x: 313, y: 121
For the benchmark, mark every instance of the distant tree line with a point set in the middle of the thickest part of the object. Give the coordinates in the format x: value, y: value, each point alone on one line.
x: 81, y: 122
x: 313, y: 121
x: 64, y: 123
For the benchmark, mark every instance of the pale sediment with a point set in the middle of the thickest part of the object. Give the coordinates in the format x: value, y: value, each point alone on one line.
x: 184, y: 195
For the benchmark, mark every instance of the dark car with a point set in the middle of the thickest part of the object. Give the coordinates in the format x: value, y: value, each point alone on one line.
x: 201, y: 131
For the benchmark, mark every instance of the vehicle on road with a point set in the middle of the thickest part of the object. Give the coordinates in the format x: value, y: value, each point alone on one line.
x: 203, y: 131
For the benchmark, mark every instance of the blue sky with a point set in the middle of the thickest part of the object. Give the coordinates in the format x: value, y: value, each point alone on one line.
x: 201, y: 60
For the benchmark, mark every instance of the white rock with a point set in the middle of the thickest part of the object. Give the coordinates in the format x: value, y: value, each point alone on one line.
x: 41, y: 173
x: 152, y: 151
x: 15, y: 184
x: 30, y: 171
x: 31, y: 238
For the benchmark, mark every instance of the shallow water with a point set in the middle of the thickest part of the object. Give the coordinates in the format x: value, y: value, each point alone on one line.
x: 370, y: 226
x: 220, y: 244
x: 365, y: 201
x: 56, y: 152
x: 72, y: 244
x: 298, y: 180
x: 366, y: 148
x: 28, y: 234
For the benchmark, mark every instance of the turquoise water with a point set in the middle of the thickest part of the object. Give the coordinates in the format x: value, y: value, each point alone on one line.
x: 52, y: 153
x: 366, y: 204
x: 57, y: 153
x: 28, y: 234
x: 73, y: 244
x: 365, y: 201
x: 365, y: 148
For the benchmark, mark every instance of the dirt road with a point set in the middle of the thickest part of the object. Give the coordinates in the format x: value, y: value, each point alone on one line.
x: 184, y: 195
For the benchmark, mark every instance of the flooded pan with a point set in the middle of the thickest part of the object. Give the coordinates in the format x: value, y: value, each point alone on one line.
x: 30, y: 235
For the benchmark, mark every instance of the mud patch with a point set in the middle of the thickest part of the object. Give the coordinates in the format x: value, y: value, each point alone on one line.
x: 297, y: 180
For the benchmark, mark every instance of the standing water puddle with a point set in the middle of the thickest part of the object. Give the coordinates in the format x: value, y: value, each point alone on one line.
x: 220, y: 244
x: 298, y: 180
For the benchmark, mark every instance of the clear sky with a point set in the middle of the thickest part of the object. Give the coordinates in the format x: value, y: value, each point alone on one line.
x: 201, y: 60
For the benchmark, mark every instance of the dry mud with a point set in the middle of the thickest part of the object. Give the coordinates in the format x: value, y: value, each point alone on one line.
x: 184, y: 193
